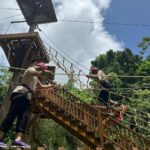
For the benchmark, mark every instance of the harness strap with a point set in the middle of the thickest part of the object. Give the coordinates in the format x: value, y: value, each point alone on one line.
x: 27, y: 87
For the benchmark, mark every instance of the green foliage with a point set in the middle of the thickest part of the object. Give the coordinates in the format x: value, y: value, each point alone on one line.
x: 115, y: 63
x: 5, y: 78
x: 144, y: 68
x: 120, y: 62
x: 136, y: 90
x: 52, y: 134
x: 144, y: 44
x: 83, y: 94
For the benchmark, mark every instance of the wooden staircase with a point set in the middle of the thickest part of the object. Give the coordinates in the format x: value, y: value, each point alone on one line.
x: 85, y: 122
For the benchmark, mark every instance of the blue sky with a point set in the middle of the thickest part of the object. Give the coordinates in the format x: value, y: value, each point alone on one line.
x: 129, y: 12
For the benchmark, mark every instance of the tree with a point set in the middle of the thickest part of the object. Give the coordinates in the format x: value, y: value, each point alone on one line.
x: 144, y: 44
x: 5, y: 77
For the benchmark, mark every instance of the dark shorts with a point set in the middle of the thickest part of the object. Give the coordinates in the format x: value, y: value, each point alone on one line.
x: 19, y: 109
x: 104, y: 96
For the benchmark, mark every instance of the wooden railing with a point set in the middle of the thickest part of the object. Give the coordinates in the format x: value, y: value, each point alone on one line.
x: 125, y: 138
x: 76, y: 108
x: 94, y: 119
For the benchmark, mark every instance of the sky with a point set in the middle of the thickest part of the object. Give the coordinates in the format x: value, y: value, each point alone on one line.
x: 129, y: 12
x: 82, y: 42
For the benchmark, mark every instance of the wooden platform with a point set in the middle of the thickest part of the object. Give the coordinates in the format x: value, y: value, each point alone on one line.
x: 22, y: 49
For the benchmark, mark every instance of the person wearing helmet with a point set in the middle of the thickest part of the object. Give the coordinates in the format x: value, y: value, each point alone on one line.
x: 20, y: 102
x: 104, y: 85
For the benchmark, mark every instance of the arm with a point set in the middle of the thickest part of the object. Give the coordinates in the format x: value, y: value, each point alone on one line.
x: 37, y: 73
x: 92, y: 76
x: 45, y: 89
x: 40, y: 85
x: 33, y: 71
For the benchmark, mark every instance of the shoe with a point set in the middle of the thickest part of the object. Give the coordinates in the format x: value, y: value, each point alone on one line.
x: 113, y: 103
x: 21, y: 144
x: 3, y: 145
x: 109, y: 114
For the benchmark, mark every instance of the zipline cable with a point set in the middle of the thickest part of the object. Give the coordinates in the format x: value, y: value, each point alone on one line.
x: 105, y: 23
x: 60, y: 74
x: 62, y: 50
x: 5, y: 18
x: 9, y: 8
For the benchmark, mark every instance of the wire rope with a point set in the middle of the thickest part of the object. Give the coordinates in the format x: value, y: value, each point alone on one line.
x: 5, y: 18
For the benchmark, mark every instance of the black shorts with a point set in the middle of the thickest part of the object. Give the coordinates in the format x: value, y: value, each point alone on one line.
x: 104, y: 96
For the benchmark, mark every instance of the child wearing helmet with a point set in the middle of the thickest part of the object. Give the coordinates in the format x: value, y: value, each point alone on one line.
x: 104, y: 85
x: 20, y: 102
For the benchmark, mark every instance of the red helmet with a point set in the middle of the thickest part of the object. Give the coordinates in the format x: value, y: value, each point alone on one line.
x: 42, y: 66
x: 94, y: 69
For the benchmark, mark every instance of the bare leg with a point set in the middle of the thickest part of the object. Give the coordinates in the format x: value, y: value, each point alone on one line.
x: 1, y: 134
x: 19, y: 136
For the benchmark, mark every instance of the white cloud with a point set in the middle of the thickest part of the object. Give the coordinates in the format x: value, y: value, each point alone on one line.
x: 81, y: 41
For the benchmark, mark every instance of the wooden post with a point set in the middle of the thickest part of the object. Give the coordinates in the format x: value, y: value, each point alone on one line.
x: 99, y: 148
x: 40, y: 148
x: 18, y: 148
x: 135, y: 148
x: 60, y: 148
x: 118, y: 148
x: 101, y: 128
x: 88, y: 148
x: 16, y: 78
x: 79, y: 148
x: 5, y: 106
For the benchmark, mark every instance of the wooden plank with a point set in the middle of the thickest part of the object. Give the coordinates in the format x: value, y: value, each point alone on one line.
x: 41, y: 46
x: 87, y: 148
x: 18, y: 148
x: 27, y: 53
x: 135, y: 148
x: 7, y: 40
x: 19, y: 36
x: 60, y: 148
x: 40, y: 148
x: 99, y: 148
x: 118, y: 148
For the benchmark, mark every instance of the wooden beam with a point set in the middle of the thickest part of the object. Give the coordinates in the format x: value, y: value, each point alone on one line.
x: 118, y: 148
x: 27, y: 53
x: 60, y: 148
x: 19, y: 36
x: 135, y: 148
x: 99, y: 148
x: 40, y: 148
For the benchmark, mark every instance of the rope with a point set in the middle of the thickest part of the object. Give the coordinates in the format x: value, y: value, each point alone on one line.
x: 1, y: 19
x: 9, y: 9
x: 21, y: 69
x: 8, y: 28
x: 76, y: 74
x: 123, y: 121
x: 107, y: 23
x: 62, y: 50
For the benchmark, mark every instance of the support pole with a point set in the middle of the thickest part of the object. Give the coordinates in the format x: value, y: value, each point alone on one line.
x: 99, y: 148
x: 101, y: 128
x: 118, y: 148
x: 32, y: 28
x: 60, y: 148
x: 135, y: 148
x: 16, y: 79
